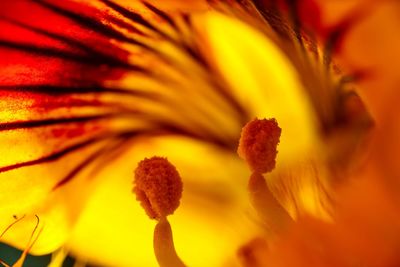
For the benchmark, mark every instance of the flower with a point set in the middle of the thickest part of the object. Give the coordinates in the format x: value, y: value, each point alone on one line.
x: 90, y: 88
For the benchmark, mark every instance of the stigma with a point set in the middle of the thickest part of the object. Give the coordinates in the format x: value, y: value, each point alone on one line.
x: 258, y: 144
x: 158, y: 187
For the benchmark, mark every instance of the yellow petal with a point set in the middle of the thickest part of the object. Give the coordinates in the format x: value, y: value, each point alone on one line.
x: 208, y: 226
x: 263, y: 80
x: 57, y: 209
x: 212, y: 219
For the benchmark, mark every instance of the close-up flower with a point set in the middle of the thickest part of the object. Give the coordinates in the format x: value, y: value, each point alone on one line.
x: 199, y: 133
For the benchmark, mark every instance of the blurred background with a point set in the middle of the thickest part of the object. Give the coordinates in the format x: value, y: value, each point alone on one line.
x: 10, y: 255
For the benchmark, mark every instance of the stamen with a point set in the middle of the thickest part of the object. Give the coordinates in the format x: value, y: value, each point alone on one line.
x: 258, y: 144
x: 31, y: 242
x: 164, y: 248
x: 11, y: 225
x: 158, y: 187
x: 268, y: 208
x: 2, y: 263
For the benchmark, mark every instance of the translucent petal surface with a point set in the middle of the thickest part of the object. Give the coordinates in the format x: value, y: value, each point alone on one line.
x: 263, y: 79
x: 208, y: 226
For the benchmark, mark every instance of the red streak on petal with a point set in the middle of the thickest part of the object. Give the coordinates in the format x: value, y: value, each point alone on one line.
x: 23, y: 67
x: 46, y: 102
x: 76, y: 130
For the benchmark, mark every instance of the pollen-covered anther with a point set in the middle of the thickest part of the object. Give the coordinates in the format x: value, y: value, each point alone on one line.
x: 158, y: 187
x: 258, y: 144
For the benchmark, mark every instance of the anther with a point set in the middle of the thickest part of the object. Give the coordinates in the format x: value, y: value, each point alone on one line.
x: 258, y: 144
x: 158, y: 187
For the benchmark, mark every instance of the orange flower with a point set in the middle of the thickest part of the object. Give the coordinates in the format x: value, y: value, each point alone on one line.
x: 90, y: 88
